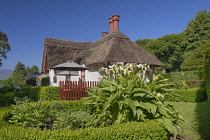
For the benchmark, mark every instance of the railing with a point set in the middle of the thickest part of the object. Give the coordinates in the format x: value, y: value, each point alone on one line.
x: 75, y: 90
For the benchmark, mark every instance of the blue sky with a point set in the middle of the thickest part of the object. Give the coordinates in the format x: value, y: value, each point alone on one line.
x: 28, y: 22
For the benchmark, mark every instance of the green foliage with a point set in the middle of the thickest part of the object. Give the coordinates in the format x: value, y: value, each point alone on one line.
x: 45, y: 81
x: 189, y: 95
x: 197, y: 32
x: 56, y: 115
x: 40, y: 93
x: 188, y: 84
x: 206, y: 69
x: 166, y: 48
x: 132, y: 130
x: 179, y: 49
x: 178, y: 76
x: 72, y: 120
x: 129, y: 98
x: 7, y: 83
x: 17, y: 77
x: 196, y: 60
x: 50, y: 93
x: 4, y: 46
x: 7, y: 99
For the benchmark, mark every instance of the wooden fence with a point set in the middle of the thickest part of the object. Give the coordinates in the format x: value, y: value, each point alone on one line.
x: 75, y: 90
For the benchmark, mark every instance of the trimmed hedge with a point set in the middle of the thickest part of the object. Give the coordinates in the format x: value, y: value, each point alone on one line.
x: 133, y: 130
x: 178, y: 76
x: 34, y: 93
x: 190, y: 95
x: 37, y: 93
x: 189, y: 83
x: 7, y: 99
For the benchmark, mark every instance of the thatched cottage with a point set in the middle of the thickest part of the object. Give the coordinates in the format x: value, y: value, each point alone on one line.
x: 111, y: 48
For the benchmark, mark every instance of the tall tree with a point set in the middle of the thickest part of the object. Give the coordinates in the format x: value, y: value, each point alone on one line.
x: 166, y: 48
x: 31, y: 80
x: 196, y: 33
x: 4, y: 46
x: 196, y: 60
x: 18, y: 74
x: 176, y: 50
x: 34, y: 69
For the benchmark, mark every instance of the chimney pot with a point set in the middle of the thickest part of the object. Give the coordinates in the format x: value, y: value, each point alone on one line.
x: 104, y: 33
x: 115, y: 19
x: 111, y: 22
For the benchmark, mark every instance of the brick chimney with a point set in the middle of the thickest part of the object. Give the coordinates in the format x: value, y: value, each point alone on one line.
x: 114, y: 23
x: 111, y: 22
x: 104, y: 33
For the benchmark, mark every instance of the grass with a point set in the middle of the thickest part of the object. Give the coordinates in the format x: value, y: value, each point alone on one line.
x: 196, y: 115
x: 197, y: 120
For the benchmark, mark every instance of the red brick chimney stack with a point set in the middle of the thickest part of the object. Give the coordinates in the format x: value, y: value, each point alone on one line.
x: 111, y: 22
x: 115, y: 19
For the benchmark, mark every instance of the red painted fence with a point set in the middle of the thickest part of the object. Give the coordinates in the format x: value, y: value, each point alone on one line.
x: 75, y: 90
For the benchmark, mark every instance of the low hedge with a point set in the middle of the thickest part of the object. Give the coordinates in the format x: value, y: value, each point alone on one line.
x: 34, y: 93
x: 37, y: 93
x: 189, y: 83
x: 7, y: 99
x: 133, y: 130
x: 190, y: 95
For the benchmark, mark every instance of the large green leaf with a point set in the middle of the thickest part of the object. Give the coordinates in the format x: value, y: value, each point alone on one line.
x: 131, y: 104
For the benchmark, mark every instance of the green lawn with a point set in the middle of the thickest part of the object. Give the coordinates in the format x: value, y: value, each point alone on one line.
x: 197, y: 120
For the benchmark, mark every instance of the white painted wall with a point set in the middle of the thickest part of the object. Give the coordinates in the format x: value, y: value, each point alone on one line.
x: 93, y: 73
x: 90, y: 75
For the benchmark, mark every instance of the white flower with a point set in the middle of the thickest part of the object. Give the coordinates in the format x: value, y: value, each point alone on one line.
x: 111, y: 66
x: 139, y: 66
x: 120, y: 63
x: 160, y: 95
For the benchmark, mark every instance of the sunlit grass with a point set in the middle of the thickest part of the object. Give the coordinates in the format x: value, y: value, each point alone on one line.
x: 197, y: 120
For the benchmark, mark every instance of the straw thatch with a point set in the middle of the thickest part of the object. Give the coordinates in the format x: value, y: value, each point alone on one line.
x: 114, y: 47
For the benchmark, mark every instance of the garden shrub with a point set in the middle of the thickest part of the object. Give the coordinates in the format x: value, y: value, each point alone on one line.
x: 45, y: 81
x: 7, y: 99
x: 189, y: 95
x: 40, y: 93
x: 55, y: 115
x: 132, y: 130
x: 124, y: 96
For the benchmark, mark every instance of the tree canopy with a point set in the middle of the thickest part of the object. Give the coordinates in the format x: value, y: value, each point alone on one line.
x: 20, y: 71
x: 4, y: 46
x: 18, y: 74
x: 176, y: 50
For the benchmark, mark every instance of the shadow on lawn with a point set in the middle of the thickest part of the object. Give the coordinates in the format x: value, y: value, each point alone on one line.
x: 203, y: 118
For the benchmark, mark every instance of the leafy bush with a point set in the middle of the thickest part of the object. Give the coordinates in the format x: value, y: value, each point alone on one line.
x: 129, y: 98
x: 7, y: 99
x: 45, y: 82
x: 190, y: 95
x: 132, y: 130
x: 4, y: 90
x: 49, y: 116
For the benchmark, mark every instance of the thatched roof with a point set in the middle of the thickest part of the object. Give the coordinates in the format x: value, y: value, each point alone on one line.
x: 114, y: 47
